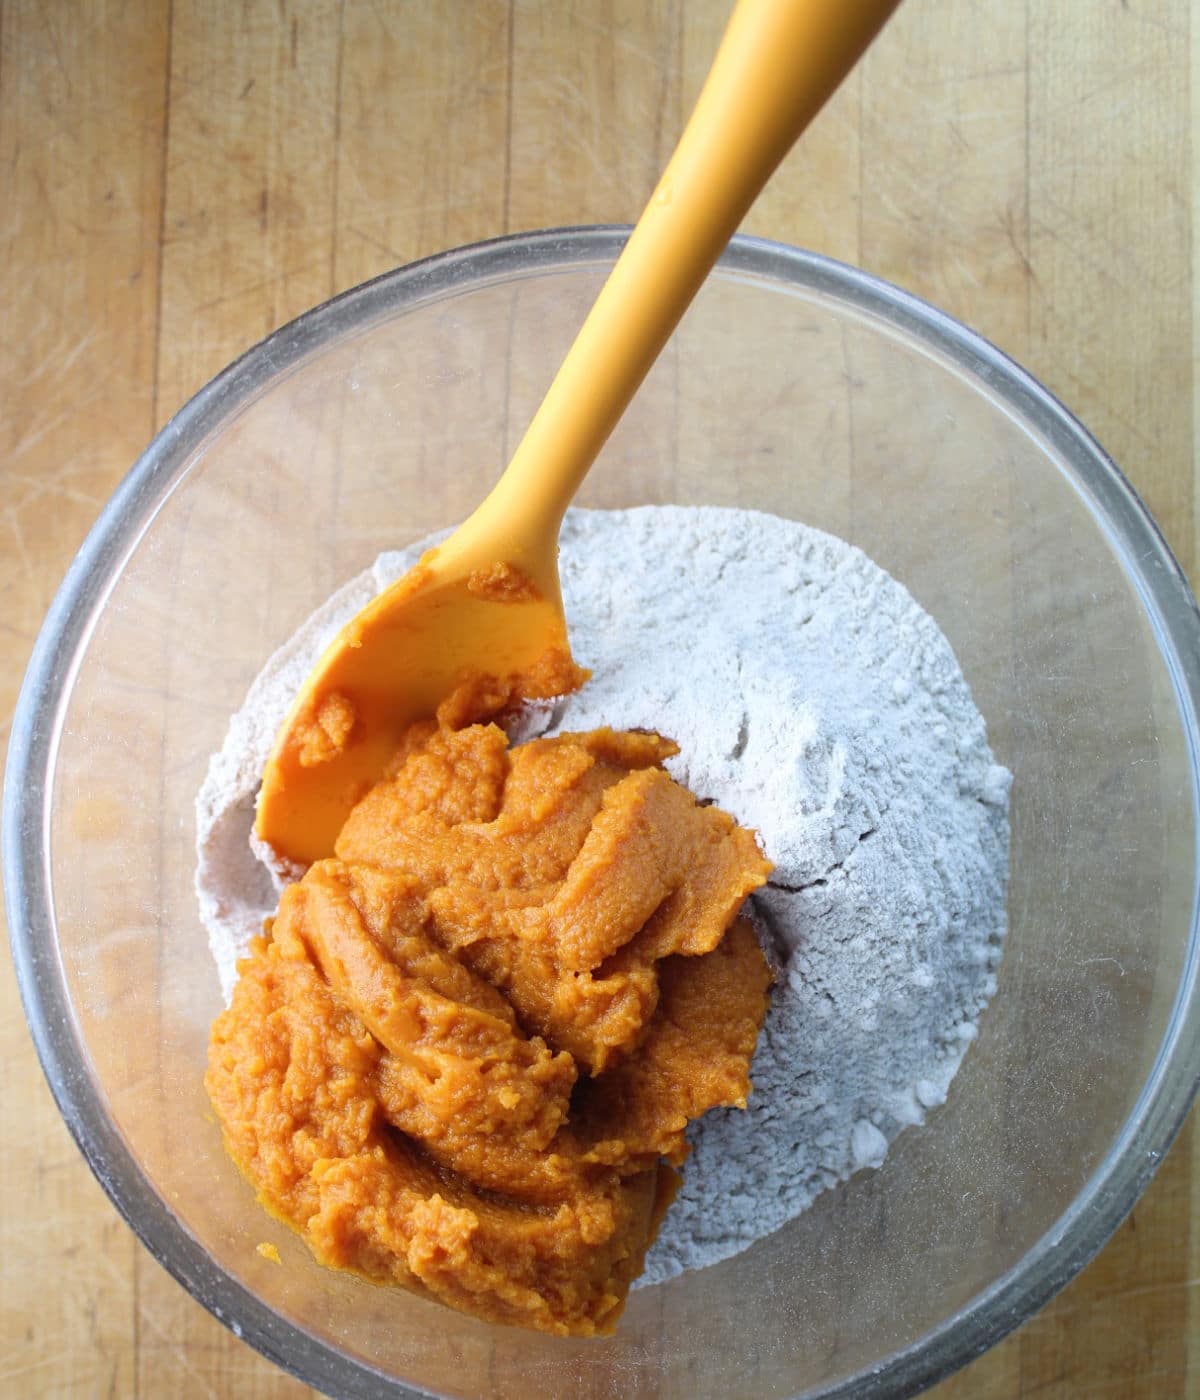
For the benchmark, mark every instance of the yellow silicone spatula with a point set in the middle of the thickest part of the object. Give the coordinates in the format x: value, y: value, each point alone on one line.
x: 487, y: 600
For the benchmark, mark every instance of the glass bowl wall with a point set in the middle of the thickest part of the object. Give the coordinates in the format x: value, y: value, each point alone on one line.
x: 795, y: 386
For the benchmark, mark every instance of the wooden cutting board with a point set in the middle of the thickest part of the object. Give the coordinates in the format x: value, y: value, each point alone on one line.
x: 178, y: 177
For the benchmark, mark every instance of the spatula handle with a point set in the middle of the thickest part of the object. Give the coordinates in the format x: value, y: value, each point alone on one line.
x: 778, y: 63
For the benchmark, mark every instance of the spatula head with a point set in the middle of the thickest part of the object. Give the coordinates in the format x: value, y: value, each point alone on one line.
x: 451, y: 619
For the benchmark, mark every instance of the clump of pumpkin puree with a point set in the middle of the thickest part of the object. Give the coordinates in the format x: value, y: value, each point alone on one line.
x: 465, y: 1055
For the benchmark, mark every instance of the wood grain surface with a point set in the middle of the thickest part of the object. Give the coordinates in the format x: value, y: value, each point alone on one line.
x: 178, y: 177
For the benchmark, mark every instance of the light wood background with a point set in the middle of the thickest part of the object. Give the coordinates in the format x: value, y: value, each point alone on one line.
x: 178, y: 177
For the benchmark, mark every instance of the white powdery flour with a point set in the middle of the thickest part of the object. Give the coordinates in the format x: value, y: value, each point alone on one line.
x: 814, y: 700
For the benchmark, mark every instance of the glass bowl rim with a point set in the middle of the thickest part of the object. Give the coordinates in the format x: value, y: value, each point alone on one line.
x: 1172, y: 1083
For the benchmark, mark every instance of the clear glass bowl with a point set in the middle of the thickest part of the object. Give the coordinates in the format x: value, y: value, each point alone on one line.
x: 797, y: 386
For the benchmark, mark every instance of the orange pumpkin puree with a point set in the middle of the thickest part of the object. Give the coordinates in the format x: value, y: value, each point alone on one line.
x: 465, y: 1055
